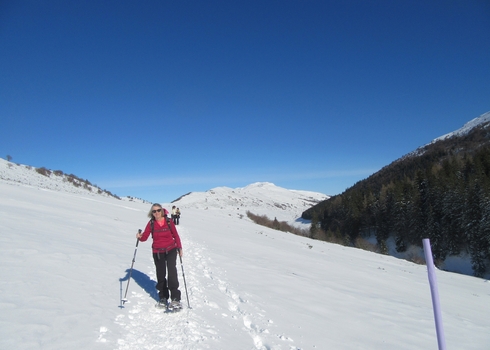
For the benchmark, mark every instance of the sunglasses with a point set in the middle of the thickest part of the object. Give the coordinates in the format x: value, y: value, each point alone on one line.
x: 157, y: 210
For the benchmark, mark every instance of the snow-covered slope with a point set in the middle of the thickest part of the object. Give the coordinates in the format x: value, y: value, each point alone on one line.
x: 51, y: 180
x: 261, y: 198
x: 483, y: 119
x: 66, y: 257
x: 465, y: 129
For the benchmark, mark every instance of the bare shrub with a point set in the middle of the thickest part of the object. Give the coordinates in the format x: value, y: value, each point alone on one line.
x: 319, y: 234
x: 263, y: 220
x: 336, y: 238
x: 111, y: 195
x: 73, y: 179
x: 43, y: 171
x: 417, y: 260
x: 364, y: 244
x: 259, y: 219
x: 413, y: 255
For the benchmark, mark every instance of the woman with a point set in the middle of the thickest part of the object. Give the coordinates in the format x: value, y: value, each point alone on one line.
x: 166, y: 245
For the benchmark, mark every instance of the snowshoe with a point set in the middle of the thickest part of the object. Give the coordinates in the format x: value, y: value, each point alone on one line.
x: 174, y: 305
x: 162, y: 304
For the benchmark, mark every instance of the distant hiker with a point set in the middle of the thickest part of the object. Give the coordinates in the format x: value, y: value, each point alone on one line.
x: 166, y: 245
x: 177, y: 216
x: 174, y: 213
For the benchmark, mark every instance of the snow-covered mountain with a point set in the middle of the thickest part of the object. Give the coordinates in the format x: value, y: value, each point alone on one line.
x: 261, y: 198
x: 482, y: 119
x: 65, y: 266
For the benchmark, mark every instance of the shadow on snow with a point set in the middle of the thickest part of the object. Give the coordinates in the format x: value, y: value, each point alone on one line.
x: 302, y: 221
x: 143, y: 280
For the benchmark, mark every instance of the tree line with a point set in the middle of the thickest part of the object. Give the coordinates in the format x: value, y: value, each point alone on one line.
x: 440, y: 192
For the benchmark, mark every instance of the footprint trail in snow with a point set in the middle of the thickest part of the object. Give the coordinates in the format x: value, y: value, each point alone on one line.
x: 219, y: 317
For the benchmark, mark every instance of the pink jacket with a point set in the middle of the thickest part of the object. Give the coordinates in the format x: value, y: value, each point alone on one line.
x: 165, y: 236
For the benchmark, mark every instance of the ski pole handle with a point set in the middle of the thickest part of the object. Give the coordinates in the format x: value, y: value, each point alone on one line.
x: 137, y: 238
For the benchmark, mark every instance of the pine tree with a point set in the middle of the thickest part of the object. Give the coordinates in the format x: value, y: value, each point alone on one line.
x: 473, y: 218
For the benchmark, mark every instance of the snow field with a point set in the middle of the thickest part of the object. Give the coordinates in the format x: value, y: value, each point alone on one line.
x: 65, y: 260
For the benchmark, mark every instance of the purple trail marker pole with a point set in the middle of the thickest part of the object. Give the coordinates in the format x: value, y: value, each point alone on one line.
x: 434, y: 291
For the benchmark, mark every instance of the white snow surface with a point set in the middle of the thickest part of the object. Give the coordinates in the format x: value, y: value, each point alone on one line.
x: 484, y: 118
x: 261, y: 198
x: 66, y: 257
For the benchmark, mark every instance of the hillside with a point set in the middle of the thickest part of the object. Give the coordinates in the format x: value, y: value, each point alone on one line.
x: 55, y: 180
x: 440, y: 191
x: 66, y: 258
x: 481, y: 121
x: 262, y: 198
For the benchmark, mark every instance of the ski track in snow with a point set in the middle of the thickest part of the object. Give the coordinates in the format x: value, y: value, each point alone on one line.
x: 147, y: 327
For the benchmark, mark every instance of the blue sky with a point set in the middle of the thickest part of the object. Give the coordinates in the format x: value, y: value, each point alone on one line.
x: 155, y: 99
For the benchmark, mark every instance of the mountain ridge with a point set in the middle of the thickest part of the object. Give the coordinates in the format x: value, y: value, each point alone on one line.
x: 260, y: 197
x: 467, y: 127
x: 439, y: 191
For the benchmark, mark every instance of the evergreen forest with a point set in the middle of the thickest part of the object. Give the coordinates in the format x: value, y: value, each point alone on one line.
x: 440, y: 191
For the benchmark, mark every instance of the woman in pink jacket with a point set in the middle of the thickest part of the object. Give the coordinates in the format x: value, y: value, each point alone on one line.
x: 166, y: 245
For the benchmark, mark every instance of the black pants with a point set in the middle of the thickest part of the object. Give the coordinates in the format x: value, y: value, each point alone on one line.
x: 163, y: 262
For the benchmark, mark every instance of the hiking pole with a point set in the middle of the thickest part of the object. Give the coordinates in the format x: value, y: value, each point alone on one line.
x: 131, y: 270
x: 185, y: 285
